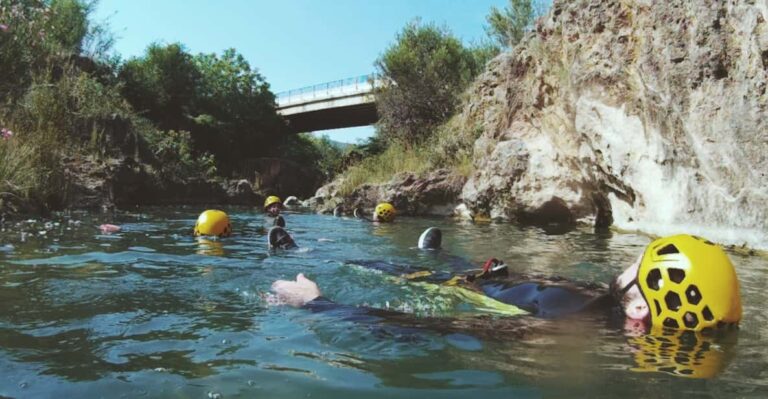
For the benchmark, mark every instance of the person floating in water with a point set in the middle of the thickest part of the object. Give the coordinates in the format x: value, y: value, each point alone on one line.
x: 681, y: 282
x: 272, y: 207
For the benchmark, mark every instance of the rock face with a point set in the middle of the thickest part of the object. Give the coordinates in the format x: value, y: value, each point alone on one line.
x: 646, y: 115
x: 106, y: 184
x: 435, y: 193
x: 123, y: 182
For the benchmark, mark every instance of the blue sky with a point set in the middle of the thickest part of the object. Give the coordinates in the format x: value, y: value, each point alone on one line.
x: 293, y: 43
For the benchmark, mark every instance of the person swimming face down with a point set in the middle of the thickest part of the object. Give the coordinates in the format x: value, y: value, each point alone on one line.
x: 681, y: 282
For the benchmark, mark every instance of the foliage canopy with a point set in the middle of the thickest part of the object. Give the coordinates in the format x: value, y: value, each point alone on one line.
x: 507, y: 26
x: 425, y: 71
x: 224, y: 104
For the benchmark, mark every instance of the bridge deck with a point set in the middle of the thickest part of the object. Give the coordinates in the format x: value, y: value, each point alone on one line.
x: 343, y: 103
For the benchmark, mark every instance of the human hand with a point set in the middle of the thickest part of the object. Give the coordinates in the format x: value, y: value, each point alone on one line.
x: 296, y: 293
x: 109, y: 228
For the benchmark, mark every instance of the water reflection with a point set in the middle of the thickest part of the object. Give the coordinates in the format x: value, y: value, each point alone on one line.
x: 685, y: 354
x: 206, y: 246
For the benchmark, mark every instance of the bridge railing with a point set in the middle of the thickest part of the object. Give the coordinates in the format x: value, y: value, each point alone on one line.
x: 349, y: 86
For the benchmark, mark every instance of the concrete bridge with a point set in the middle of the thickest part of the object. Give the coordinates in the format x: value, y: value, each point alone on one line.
x: 333, y: 105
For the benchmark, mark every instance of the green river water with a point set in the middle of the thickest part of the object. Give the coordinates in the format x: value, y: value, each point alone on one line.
x: 154, y: 312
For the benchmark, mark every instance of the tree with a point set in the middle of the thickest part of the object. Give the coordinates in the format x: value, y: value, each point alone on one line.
x: 424, y: 73
x: 235, y: 115
x: 161, y: 86
x: 223, y: 103
x: 508, y: 26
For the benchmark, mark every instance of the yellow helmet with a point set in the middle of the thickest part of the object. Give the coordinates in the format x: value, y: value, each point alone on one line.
x: 689, y: 283
x: 272, y: 199
x: 385, y: 212
x: 681, y: 353
x: 213, y: 223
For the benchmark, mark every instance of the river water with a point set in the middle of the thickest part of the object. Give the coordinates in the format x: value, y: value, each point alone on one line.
x: 153, y: 312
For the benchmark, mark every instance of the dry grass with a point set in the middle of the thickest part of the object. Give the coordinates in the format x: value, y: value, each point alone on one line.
x: 450, y: 147
x: 381, y: 168
x: 19, y: 172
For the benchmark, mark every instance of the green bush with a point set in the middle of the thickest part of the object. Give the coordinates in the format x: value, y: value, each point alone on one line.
x: 425, y: 72
x: 40, y: 35
x: 173, y: 149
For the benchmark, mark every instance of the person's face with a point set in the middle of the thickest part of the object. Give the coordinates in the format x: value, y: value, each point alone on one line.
x: 274, y: 209
x: 632, y: 300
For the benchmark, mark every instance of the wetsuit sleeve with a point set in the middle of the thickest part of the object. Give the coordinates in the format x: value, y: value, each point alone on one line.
x: 356, y: 314
x: 545, y: 300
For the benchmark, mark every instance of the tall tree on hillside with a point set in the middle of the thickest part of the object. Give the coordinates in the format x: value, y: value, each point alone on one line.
x: 235, y: 115
x: 161, y: 85
x: 223, y: 103
x: 424, y: 72
x: 508, y: 26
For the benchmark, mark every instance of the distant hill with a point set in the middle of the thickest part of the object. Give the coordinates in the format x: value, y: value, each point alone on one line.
x: 340, y: 145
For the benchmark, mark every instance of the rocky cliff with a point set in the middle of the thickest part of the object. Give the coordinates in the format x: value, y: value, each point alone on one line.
x: 643, y: 114
x: 640, y: 114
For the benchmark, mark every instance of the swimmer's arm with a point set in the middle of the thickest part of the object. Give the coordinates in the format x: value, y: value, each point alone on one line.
x: 305, y: 293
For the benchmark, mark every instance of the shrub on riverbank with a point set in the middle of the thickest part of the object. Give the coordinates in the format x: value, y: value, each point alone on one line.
x: 53, y: 99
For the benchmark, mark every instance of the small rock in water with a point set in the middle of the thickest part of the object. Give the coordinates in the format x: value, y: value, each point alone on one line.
x: 214, y: 395
x: 23, y: 385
